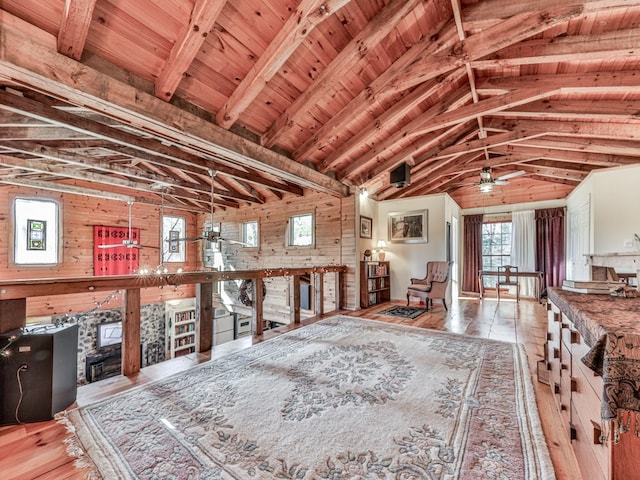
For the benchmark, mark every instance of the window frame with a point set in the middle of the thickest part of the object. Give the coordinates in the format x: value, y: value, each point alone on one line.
x: 503, y: 258
x: 243, y: 234
x: 291, y: 230
x: 181, y: 254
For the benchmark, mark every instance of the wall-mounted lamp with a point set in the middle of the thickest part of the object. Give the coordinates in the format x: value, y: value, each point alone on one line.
x: 380, y: 247
x: 363, y: 193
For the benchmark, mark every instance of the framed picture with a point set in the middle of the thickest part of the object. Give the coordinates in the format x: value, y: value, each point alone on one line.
x: 408, y: 227
x: 366, y: 227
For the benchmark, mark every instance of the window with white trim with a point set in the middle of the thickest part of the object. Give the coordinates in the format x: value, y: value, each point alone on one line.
x: 36, y: 232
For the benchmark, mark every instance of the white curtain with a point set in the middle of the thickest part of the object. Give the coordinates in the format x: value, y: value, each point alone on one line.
x: 523, y: 247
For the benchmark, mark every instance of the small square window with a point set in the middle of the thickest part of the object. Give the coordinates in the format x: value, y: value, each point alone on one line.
x: 250, y: 234
x: 301, y: 230
x: 36, y: 232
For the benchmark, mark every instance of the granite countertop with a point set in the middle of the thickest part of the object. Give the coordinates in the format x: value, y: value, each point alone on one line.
x: 596, y: 315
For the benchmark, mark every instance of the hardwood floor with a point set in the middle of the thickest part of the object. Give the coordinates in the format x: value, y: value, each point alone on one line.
x: 37, y: 450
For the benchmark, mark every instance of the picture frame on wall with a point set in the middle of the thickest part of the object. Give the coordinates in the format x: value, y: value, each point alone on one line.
x: 366, y: 227
x: 408, y: 227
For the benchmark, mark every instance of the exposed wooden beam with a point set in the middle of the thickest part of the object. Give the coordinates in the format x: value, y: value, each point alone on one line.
x: 629, y: 130
x: 599, y: 159
x: 326, y: 83
x: 609, y: 45
x: 74, y: 27
x: 151, y: 149
x: 308, y: 14
x: 186, y: 47
x: 603, y: 82
x: 60, y: 187
x: 34, y: 63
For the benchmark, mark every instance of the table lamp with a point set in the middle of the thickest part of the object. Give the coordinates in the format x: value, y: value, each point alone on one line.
x: 380, y: 247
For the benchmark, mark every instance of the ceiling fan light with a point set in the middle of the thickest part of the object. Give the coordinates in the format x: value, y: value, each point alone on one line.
x: 486, y: 187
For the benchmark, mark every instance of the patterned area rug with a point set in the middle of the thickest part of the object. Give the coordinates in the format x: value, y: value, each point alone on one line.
x: 402, y: 311
x: 344, y: 398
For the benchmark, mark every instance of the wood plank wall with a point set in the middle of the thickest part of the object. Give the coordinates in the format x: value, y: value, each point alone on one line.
x: 78, y: 216
x: 335, y: 245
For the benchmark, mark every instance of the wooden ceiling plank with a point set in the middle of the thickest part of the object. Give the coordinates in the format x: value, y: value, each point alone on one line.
x: 576, y: 110
x: 586, y: 145
x: 389, y: 118
x: 554, y: 172
x: 599, y: 159
x: 308, y: 14
x: 433, y: 119
x: 74, y: 27
x: 375, y: 31
x: 621, y: 82
x: 186, y: 47
x: 36, y: 65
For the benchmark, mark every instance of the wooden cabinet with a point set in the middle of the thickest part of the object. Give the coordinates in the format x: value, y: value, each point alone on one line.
x: 182, y: 334
x: 375, y: 283
x: 578, y: 392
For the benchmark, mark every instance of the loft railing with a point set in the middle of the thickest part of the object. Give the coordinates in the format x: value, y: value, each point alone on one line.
x: 14, y: 294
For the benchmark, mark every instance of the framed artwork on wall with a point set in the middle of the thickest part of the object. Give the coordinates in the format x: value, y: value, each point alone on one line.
x: 408, y: 227
x: 366, y: 227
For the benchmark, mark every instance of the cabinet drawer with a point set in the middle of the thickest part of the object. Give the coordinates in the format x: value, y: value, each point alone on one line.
x: 588, y: 455
x: 579, y: 350
x: 586, y: 412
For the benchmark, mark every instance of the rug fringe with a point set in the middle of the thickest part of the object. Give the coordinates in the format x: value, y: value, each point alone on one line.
x: 75, y: 450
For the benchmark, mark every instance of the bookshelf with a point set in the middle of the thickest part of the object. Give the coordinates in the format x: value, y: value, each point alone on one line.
x: 181, y: 330
x: 375, y: 283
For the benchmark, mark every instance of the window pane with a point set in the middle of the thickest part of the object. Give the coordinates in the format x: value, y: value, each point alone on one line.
x: 250, y: 234
x: 301, y: 233
x: 173, y: 229
x: 496, y: 248
x: 36, y: 232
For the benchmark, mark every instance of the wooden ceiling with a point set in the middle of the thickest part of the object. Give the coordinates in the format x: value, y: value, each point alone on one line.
x: 149, y: 99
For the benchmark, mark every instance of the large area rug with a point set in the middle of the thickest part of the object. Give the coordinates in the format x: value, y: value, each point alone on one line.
x: 344, y: 398
x: 404, y: 312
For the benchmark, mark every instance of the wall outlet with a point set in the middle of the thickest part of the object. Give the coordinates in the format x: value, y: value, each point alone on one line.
x: 628, y: 243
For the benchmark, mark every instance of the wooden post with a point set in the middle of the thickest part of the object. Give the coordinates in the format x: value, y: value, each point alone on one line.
x: 13, y: 314
x: 258, y: 299
x: 319, y: 294
x: 131, y: 331
x: 204, y: 306
x: 294, y: 299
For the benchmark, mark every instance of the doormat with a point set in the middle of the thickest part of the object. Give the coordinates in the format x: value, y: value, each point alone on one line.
x: 402, y: 311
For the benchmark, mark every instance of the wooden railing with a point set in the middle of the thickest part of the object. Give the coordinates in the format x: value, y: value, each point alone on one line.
x: 14, y: 294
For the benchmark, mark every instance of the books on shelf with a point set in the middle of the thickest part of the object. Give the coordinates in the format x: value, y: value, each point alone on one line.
x: 376, y: 270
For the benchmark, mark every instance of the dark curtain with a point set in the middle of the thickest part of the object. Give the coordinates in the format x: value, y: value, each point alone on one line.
x: 550, y: 246
x: 472, y: 252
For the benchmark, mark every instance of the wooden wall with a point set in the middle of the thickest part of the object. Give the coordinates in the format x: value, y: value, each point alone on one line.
x: 78, y: 216
x: 335, y: 245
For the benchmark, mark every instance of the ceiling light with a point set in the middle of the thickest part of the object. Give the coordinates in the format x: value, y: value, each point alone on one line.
x: 486, y: 187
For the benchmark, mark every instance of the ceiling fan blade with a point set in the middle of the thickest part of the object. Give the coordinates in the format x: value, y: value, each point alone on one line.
x: 237, y: 242
x: 500, y: 182
x: 510, y: 175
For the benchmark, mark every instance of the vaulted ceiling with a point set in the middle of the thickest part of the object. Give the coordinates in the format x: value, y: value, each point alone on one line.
x: 138, y: 100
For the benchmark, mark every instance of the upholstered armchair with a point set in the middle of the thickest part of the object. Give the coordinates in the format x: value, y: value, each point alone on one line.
x: 433, y: 285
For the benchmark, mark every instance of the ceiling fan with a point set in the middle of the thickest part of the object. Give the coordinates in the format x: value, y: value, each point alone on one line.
x: 127, y: 242
x: 209, y: 234
x: 487, y: 181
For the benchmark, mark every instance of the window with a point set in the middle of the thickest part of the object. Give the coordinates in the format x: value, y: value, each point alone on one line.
x: 496, y: 248
x: 250, y: 234
x: 173, y: 229
x: 301, y: 230
x: 36, y: 232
